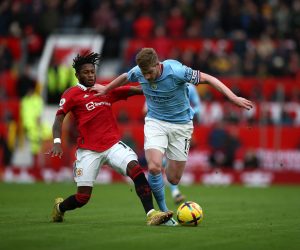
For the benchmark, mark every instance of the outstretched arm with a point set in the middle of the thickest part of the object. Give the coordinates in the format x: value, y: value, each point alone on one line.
x: 102, y: 90
x: 135, y: 90
x: 239, y: 101
x: 57, y: 131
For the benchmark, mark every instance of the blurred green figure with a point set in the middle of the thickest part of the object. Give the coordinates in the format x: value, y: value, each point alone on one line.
x: 36, y: 132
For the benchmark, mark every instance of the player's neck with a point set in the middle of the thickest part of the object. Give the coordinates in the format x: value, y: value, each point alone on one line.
x: 161, y: 68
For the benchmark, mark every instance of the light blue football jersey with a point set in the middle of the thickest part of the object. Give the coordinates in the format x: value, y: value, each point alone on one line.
x: 167, y: 96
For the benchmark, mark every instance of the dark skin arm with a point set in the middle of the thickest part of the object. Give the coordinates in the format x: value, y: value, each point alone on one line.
x: 57, y: 131
x: 57, y: 149
x: 135, y: 90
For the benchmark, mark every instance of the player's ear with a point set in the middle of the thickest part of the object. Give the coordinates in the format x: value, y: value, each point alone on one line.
x: 77, y: 75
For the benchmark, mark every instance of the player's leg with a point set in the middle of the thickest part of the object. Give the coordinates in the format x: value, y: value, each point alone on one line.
x: 155, y: 177
x: 143, y: 190
x: 72, y: 202
x: 156, y: 141
x: 86, y: 169
x: 77, y: 200
x: 177, y: 151
x: 176, y: 194
x: 174, y: 171
x: 124, y: 160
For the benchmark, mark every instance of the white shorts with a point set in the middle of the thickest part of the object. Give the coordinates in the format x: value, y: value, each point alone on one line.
x: 170, y: 138
x: 88, y: 163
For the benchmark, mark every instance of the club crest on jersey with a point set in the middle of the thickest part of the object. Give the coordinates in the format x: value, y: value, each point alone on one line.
x: 153, y: 86
x: 62, y: 102
x: 78, y: 172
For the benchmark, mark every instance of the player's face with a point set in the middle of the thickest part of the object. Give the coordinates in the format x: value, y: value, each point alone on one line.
x: 152, y: 72
x: 87, y: 75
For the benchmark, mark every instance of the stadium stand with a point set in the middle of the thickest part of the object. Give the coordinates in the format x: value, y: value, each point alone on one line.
x: 256, y: 53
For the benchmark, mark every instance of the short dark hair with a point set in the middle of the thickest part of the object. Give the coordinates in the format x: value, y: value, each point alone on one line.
x: 86, y: 58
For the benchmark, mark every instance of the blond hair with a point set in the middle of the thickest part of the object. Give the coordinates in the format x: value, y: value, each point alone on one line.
x: 147, y: 57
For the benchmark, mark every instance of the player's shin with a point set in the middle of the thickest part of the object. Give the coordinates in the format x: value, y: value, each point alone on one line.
x: 157, y: 185
x: 142, y: 187
x: 74, y: 201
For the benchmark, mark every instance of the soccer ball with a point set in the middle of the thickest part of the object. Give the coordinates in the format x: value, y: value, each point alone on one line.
x: 189, y: 213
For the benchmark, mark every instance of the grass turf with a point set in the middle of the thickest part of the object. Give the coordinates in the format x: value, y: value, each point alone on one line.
x: 234, y: 218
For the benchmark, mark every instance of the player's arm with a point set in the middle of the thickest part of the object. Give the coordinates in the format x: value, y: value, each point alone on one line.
x: 104, y: 89
x: 135, y: 90
x: 57, y: 132
x: 194, y: 98
x: 217, y: 84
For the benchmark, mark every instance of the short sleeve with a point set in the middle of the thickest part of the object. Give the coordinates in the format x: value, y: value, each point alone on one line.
x: 65, y: 103
x: 132, y: 74
x: 185, y: 73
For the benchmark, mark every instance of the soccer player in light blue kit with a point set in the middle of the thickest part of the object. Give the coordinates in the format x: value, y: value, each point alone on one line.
x: 168, y: 124
x: 195, y: 103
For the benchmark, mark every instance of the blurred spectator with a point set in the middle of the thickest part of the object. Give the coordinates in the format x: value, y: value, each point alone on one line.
x: 283, y: 19
x: 71, y: 17
x: 35, y: 131
x: 5, y: 152
x: 216, y: 141
x: 8, y: 140
x: 187, y: 57
x: 34, y: 44
x: 279, y: 93
x: 250, y: 62
x: 143, y: 26
x: 59, y: 78
x: 231, y: 16
x: 161, y: 42
x: 251, y: 20
x: 6, y: 59
x: 103, y: 18
x: 211, y: 23
x: 49, y: 21
x: 175, y: 23
x: 223, y: 146
x: 126, y: 18
x: 4, y: 17
x: 25, y: 82
x: 251, y: 160
x: 232, y: 115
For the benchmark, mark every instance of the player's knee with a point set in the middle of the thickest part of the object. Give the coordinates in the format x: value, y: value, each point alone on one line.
x: 82, y: 199
x: 154, y: 168
x: 134, y: 170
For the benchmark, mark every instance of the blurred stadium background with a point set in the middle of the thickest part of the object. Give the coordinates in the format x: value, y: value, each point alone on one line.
x: 252, y: 46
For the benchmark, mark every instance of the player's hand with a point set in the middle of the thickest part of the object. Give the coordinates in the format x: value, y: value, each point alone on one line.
x: 243, y: 103
x: 56, y: 150
x: 100, y: 89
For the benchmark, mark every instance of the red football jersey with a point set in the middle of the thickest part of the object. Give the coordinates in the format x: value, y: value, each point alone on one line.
x: 93, y: 115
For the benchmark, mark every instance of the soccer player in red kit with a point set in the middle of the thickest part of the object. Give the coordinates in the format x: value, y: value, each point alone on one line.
x: 98, y: 141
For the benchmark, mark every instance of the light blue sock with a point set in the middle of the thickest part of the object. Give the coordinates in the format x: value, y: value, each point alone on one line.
x: 174, y: 190
x: 157, y: 185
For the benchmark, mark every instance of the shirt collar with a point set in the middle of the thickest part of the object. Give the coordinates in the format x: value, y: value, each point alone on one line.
x: 84, y: 88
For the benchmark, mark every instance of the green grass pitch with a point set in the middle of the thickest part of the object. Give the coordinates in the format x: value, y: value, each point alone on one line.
x: 234, y: 218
